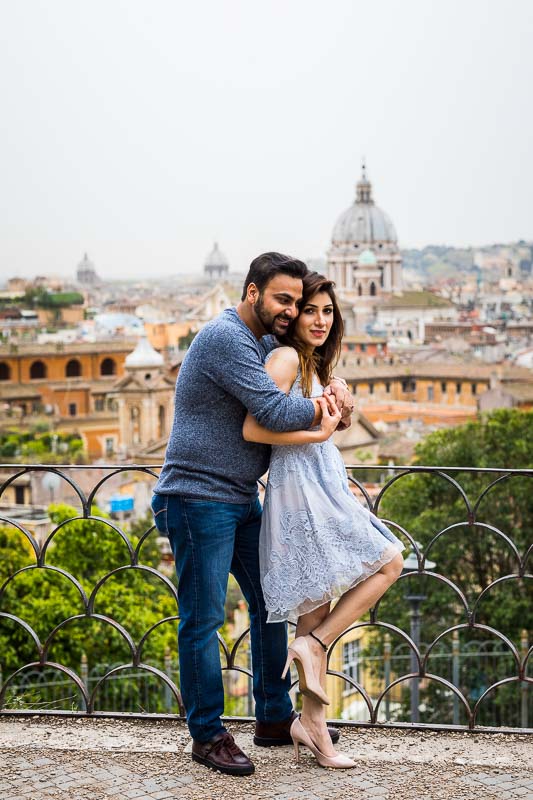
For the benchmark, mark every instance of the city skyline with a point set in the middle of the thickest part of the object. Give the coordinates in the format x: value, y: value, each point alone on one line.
x: 141, y: 137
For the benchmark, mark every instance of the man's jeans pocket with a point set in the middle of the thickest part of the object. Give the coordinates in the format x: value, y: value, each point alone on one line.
x: 160, y: 512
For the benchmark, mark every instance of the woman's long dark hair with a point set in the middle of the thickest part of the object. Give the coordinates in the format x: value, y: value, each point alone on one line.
x: 323, y: 359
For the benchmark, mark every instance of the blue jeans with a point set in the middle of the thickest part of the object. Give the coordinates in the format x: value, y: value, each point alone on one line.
x: 209, y: 540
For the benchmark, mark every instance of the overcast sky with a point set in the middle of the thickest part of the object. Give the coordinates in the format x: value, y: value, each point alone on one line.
x: 142, y: 130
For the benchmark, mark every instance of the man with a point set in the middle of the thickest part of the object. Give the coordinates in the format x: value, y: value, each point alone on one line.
x: 206, y: 501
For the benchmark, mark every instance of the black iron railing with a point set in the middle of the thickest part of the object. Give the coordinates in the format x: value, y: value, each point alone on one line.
x: 88, y: 607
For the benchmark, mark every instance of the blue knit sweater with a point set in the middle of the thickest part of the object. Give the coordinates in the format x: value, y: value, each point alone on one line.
x: 221, y: 378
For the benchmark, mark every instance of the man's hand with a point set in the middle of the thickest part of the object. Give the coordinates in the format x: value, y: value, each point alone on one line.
x: 331, y: 415
x: 344, y: 401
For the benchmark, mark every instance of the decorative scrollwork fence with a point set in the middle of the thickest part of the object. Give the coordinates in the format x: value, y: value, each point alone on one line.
x: 466, y: 591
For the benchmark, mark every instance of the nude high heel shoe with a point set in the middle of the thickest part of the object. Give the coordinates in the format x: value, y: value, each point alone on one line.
x: 300, y: 736
x: 300, y: 653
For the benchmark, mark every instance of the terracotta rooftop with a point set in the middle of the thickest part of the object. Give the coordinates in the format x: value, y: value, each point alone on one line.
x: 431, y: 369
x: 77, y: 348
x: 409, y: 299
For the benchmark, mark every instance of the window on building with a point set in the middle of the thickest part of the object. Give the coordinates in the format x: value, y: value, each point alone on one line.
x: 161, y: 426
x: 474, y: 388
x: 19, y: 495
x: 73, y: 368
x: 430, y: 394
x: 108, y: 367
x: 109, y: 446
x: 99, y: 403
x: 135, y: 425
x: 5, y: 371
x: 370, y: 388
x: 363, y: 348
x: 72, y: 409
x: 372, y: 289
x: 443, y: 387
x: 458, y: 387
x: 38, y: 370
x: 351, y: 653
x: 359, y: 290
x: 405, y: 386
x: 387, y: 387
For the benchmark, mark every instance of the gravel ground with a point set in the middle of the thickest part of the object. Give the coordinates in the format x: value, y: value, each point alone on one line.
x: 100, y: 759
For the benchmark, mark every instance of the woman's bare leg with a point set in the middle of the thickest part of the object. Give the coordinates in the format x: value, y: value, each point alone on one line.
x: 327, y: 625
x: 356, y: 602
x: 313, y: 712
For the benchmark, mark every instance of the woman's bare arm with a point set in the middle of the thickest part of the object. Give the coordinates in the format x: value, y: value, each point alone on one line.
x: 282, y: 367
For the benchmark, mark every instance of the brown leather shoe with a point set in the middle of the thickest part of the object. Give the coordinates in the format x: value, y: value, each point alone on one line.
x: 223, y: 754
x: 277, y: 734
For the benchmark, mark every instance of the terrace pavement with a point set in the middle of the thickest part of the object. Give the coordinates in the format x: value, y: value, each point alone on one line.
x: 132, y: 759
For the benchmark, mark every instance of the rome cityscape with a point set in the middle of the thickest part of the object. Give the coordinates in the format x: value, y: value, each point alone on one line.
x: 153, y: 157
x: 432, y: 338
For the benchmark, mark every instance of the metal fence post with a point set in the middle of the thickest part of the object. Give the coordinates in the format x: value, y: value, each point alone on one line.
x: 84, y: 674
x: 455, y: 674
x: 84, y: 671
x: 524, y: 646
x: 414, y: 601
x: 168, y: 672
x: 387, y: 666
x: 250, y: 694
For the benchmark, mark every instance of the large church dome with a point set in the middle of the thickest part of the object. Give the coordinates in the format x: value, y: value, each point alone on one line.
x: 364, y: 259
x: 364, y: 223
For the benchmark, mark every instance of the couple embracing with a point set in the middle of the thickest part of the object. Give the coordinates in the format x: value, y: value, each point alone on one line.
x: 256, y: 392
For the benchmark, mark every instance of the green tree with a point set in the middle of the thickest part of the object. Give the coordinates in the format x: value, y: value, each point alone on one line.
x: 39, y: 444
x: 88, y: 550
x: 473, y: 554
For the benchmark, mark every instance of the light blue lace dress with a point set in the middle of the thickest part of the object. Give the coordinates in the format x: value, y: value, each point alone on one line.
x: 317, y: 540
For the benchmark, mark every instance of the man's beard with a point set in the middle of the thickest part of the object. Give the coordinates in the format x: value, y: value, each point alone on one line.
x: 271, y: 324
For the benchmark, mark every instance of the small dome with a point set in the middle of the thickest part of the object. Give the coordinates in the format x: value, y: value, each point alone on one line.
x: 144, y: 356
x: 85, y: 263
x: 216, y: 259
x: 367, y: 259
x: 86, y: 273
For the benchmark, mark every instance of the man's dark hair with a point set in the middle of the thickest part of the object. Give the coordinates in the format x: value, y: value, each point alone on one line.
x: 268, y: 265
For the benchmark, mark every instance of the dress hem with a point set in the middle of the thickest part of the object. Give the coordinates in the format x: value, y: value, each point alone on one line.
x: 293, y: 614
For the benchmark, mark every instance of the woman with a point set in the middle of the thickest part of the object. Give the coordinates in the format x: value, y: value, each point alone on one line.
x: 318, y: 543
